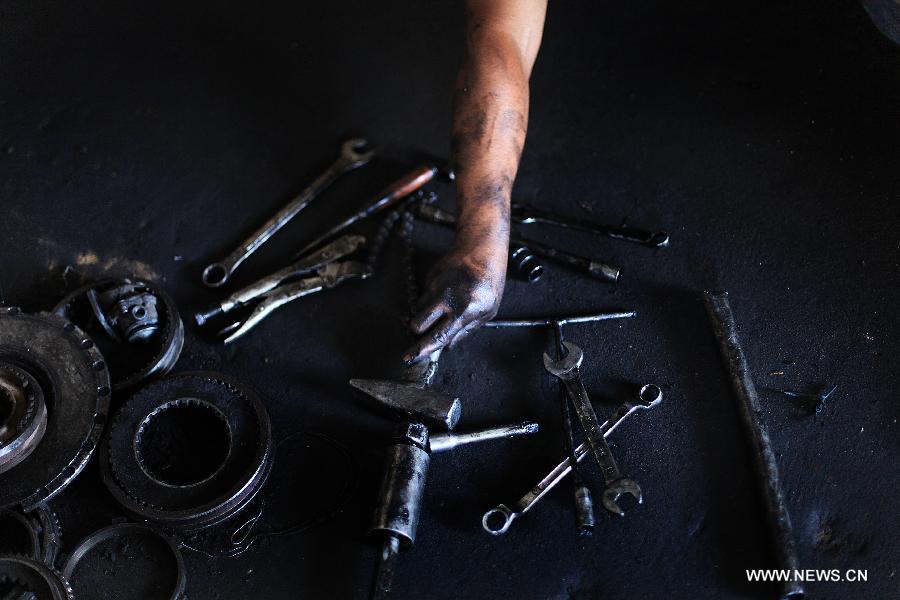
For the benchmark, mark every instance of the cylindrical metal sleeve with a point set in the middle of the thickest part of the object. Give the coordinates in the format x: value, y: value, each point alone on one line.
x: 402, y: 488
x: 749, y: 410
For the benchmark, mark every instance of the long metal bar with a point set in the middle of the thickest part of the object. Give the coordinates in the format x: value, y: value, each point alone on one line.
x: 553, y: 321
x: 766, y: 467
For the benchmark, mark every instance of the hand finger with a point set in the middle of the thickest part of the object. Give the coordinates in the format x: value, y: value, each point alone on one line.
x: 466, y: 331
x: 438, y: 338
x: 427, y: 316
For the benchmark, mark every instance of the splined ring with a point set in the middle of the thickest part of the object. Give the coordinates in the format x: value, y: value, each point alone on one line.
x: 214, y: 497
x: 25, y: 415
x: 34, y: 578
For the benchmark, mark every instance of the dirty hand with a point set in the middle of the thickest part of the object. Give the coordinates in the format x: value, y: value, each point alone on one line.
x: 462, y: 293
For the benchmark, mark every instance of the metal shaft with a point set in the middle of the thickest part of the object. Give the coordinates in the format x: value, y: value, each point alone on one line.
x: 387, y: 198
x: 527, y: 214
x: 448, y: 441
x: 766, y: 467
x: 552, y: 321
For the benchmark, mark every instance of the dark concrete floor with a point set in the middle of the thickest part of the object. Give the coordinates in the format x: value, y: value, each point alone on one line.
x: 149, y: 138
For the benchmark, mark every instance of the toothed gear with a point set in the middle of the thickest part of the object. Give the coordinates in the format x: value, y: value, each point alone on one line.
x: 33, y: 577
x: 25, y: 420
x: 230, y: 483
x: 39, y: 538
x: 74, y: 381
x: 155, y: 356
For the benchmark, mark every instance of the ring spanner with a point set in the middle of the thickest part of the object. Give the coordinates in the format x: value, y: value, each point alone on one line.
x: 497, y: 520
x: 352, y: 156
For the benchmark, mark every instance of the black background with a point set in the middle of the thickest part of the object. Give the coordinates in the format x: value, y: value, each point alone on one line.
x: 149, y: 138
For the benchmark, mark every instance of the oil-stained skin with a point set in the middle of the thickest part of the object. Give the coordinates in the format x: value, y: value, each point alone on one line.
x: 464, y: 289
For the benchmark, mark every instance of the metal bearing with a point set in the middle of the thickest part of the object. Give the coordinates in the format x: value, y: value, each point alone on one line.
x: 143, y: 360
x: 74, y: 381
x: 188, y: 451
x: 23, y: 415
x: 22, y: 575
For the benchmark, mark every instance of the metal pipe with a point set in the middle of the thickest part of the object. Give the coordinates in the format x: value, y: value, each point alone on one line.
x: 748, y: 407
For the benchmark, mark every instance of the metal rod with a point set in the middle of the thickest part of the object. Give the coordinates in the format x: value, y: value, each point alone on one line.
x: 448, y: 441
x: 553, y: 321
x: 527, y: 214
x: 748, y: 407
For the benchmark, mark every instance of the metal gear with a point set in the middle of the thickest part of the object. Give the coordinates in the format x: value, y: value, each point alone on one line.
x: 142, y: 558
x: 188, y: 451
x: 115, y: 310
x: 23, y: 415
x: 36, y: 534
x: 21, y: 575
x: 74, y: 382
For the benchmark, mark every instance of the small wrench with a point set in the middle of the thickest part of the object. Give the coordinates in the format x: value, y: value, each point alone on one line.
x: 497, y: 520
x: 352, y: 156
x: 616, y: 483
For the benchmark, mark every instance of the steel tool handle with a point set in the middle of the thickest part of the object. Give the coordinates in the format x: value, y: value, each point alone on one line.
x: 217, y: 273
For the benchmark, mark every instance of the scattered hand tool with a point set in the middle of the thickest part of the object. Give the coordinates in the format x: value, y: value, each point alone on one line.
x: 497, y: 520
x: 594, y: 268
x: 406, y: 468
x: 766, y: 467
x: 526, y: 214
x: 617, y: 484
x: 337, y: 249
x: 552, y: 322
x: 327, y: 277
x: 387, y: 198
x: 584, y: 500
x: 352, y: 156
x: 524, y: 264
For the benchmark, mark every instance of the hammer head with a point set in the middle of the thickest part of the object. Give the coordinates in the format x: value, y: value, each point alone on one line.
x: 412, y: 402
x: 566, y: 366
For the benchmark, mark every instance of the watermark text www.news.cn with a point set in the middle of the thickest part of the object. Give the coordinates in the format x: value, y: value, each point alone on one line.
x: 785, y: 575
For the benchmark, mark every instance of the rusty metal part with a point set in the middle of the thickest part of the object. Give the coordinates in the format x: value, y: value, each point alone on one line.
x: 385, y: 199
x: 498, y: 520
x: 136, y: 357
x: 132, y: 556
x: 353, y: 155
x: 188, y: 451
x: 326, y: 255
x: 524, y: 264
x: 31, y: 578
x: 409, y: 400
x: 23, y: 415
x: 616, y: 484
x: 329, y: 276
x: 74, y: 381
x: 764, y: 462
x: 526, y: 214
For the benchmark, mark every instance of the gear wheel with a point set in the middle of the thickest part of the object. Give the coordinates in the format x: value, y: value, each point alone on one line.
x: 22, y: 575
x: 23, y: 415
x: 188, y: 451
x: 131, y: 363
x: 73, y: 379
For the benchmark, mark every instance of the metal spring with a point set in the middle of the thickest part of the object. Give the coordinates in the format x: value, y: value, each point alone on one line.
x: 524, y: 264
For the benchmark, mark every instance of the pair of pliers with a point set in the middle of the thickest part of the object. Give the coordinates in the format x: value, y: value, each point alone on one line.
x: 326, y: 277
x: 329, y: 253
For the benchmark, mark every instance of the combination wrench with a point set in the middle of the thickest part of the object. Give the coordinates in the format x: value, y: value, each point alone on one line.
x: 497, y: 520
x: 616, y: 484
x: 352, y: 156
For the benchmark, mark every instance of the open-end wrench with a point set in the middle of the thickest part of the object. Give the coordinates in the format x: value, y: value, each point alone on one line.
x: 616, y: 484
x: 352, y: 156
x: 327, y: 254
x: 497, y: 520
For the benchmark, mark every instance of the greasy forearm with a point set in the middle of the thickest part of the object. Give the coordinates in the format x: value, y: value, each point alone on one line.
x: 490, y: 123
x: 490, y: 119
